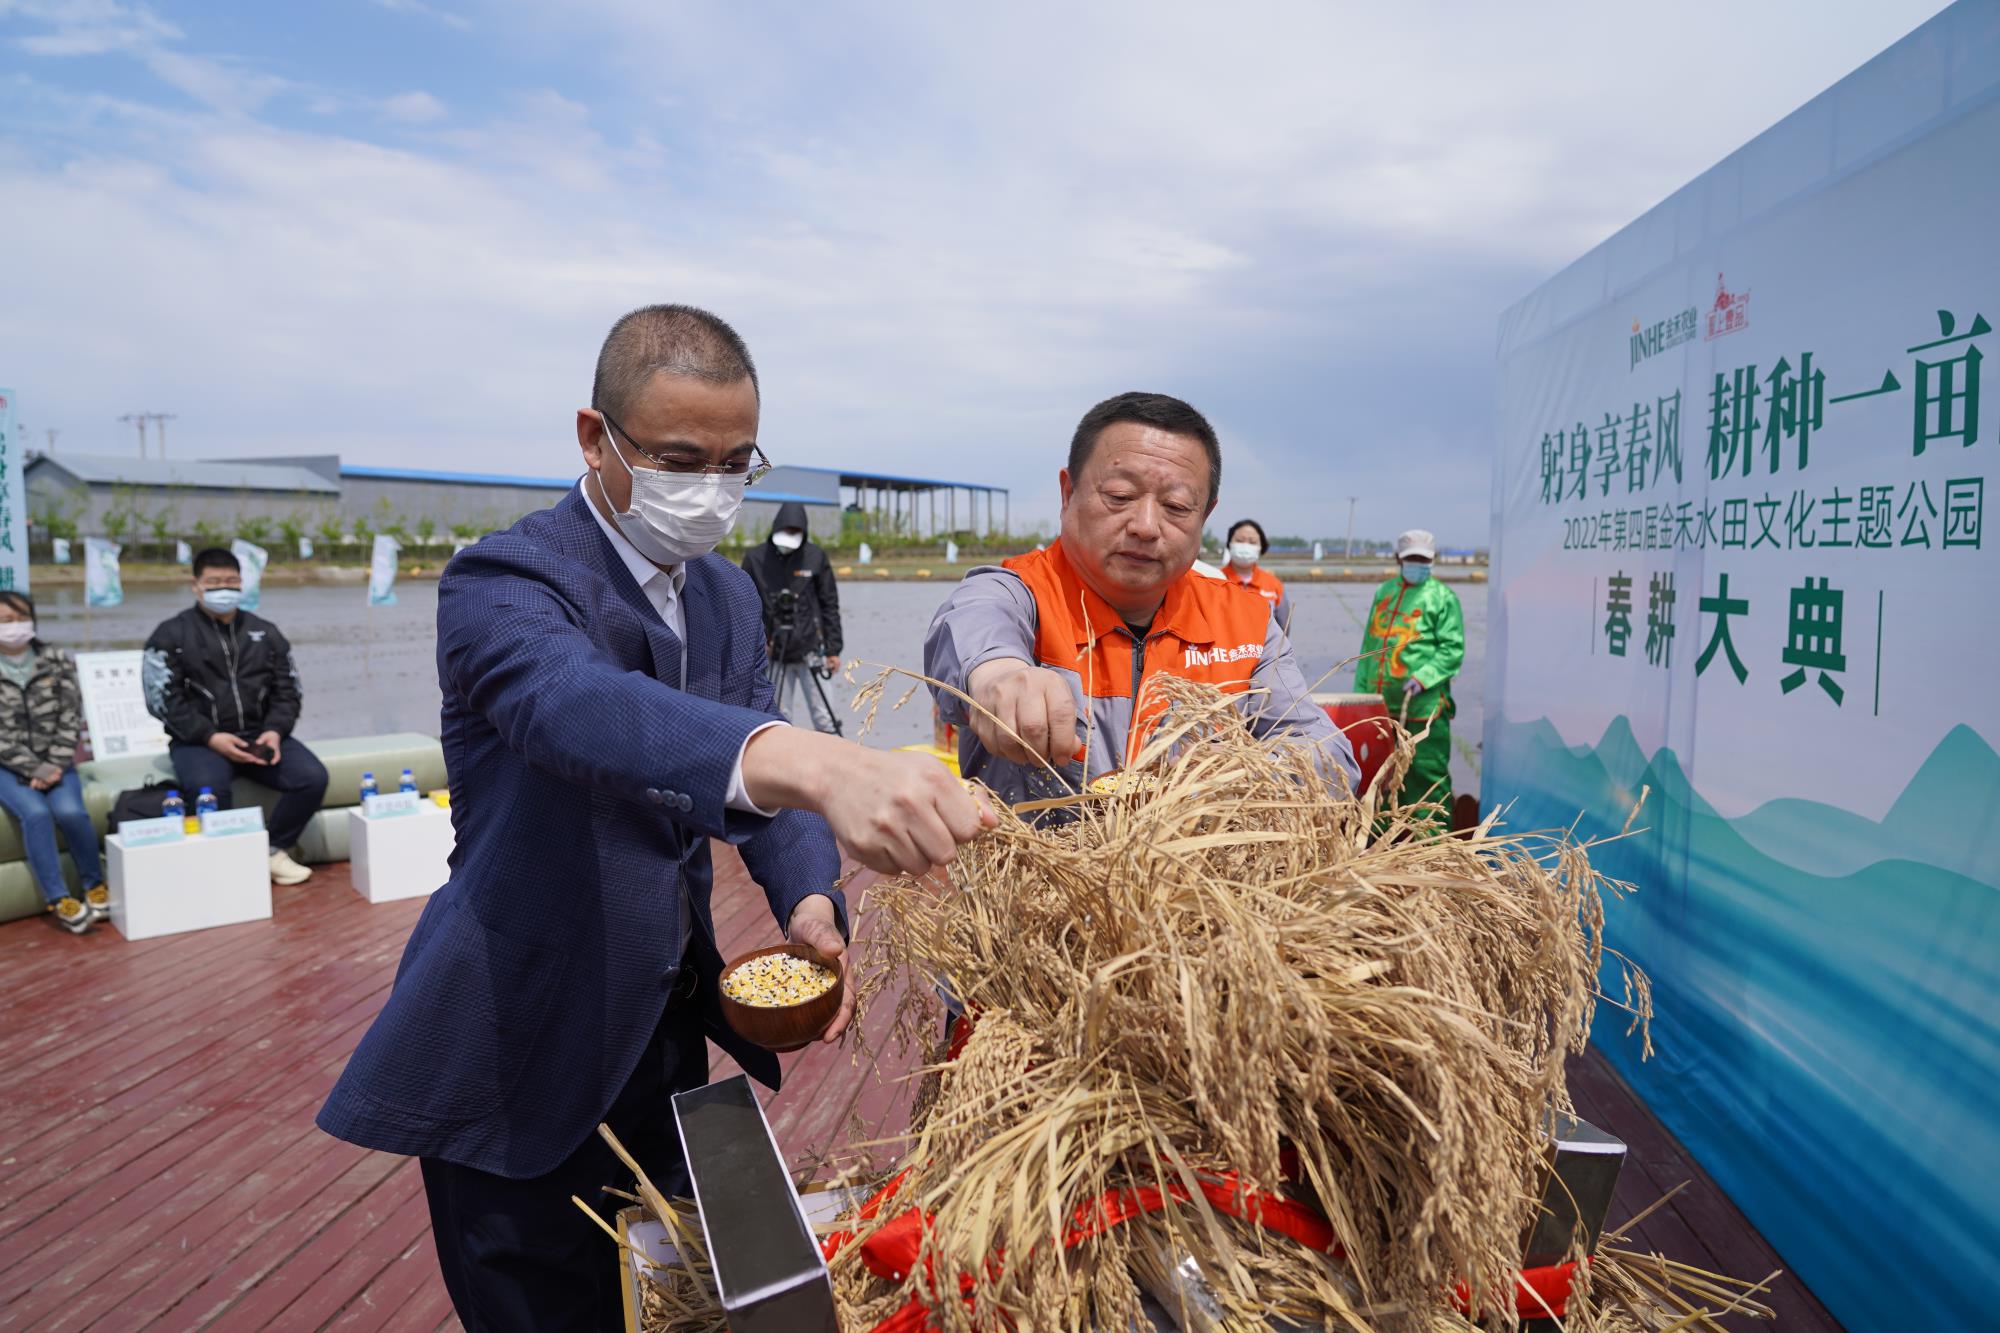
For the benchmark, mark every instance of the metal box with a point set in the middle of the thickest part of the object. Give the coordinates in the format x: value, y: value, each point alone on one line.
x: 768, y: 1270
x: 1584, y: 1163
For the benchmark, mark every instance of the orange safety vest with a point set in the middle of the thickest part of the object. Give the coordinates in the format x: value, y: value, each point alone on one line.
x: 1261, y: 580
x: 1210, y: 630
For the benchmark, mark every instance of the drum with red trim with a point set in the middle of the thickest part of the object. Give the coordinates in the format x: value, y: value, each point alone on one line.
x: 1365, y: 719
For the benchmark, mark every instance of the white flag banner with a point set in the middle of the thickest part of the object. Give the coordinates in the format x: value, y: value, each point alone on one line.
x: 1319, y: 550
x: 867, y: 555
x: 950, y: 552
x: 305, y: 548
x: 382, y: 571
x: 252, y: 557
x: 183, y: 553
x: 13, y: 501
x: 60, y: 549
x: 102, y: 585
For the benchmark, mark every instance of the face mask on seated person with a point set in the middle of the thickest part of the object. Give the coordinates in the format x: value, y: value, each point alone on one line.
x: 677, y: 516
x: 1415, y: 572
x: 788, y: 541
x: 1244, y: 554
x: 221, y: 600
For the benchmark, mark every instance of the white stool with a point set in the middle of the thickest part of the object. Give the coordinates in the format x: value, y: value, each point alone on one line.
x: 399, y: 856
x: 168, y: 887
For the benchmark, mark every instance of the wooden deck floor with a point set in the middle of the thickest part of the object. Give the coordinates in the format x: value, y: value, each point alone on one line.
x: 159, y: 1167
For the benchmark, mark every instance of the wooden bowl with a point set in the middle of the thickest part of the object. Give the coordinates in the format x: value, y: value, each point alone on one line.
x: 794, y: 1026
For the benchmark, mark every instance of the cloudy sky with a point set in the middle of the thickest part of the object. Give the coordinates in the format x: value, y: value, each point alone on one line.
x: 397, y: 229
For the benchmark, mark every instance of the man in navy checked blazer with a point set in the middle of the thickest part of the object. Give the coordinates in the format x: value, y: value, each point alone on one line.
x: 606, y: 713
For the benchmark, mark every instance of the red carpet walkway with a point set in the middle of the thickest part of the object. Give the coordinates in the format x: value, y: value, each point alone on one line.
x: 159, y: 1167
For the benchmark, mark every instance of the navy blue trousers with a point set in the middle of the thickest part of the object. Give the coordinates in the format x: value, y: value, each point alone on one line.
x: 517, y: 1256
x: 298, y: 777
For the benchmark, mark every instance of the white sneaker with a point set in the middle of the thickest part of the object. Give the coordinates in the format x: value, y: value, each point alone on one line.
x: 284, y: 870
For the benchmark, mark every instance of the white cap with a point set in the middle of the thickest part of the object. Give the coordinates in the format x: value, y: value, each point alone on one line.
x: 1417, y: 542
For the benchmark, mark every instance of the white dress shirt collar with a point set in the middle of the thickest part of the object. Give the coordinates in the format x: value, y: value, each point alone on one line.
x: 662, y: 587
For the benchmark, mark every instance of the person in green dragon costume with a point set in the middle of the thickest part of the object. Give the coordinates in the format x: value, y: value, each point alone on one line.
x: 1413, y: 645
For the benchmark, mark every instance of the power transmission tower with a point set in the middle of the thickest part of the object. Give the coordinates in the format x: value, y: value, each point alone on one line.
x: 1350, y: 527
x: 138, y: 419
x: 52, y: 432
x: 160, y: 420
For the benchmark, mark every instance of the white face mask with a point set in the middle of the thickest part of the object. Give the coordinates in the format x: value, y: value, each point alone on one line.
x: 788, y: 541
x: 1243, y: 554
x: 676, y: 517
x: 17, y: 633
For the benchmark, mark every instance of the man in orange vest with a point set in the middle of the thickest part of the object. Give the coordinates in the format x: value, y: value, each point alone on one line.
x: 1076, y: 631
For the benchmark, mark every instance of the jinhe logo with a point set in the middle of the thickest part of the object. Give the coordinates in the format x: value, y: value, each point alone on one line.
x: 1194, y: 657
x: 1649, y: 340
x: 1730, y: 312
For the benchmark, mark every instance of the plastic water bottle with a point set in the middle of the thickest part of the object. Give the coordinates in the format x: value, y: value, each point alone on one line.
x: 368, y: 787
x: 173, y: 807
x: 205, y: 803
x: 409, y: 782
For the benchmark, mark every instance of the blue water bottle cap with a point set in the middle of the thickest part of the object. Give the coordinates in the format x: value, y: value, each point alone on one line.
x: 367, y: 775
x: 173, y: 791
x: 208, y: 791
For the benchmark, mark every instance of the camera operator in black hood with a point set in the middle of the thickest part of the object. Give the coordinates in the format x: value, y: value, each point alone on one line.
x: 801, y: 612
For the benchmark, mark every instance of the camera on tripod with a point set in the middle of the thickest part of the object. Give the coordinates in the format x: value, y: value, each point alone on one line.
x: 781, y: 609
x: 784, y: 626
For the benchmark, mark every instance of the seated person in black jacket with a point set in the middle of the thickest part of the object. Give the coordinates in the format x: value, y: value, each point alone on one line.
x: 222, y: 681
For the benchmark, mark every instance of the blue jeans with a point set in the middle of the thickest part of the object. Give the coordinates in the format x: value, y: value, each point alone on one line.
x: 40, y: 813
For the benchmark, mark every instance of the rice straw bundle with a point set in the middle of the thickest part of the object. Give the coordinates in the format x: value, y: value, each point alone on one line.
x: 1226, y: 987
x: 1214, y: 964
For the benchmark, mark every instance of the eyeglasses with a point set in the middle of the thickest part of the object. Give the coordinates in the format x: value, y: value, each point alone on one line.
x: 687, y: 462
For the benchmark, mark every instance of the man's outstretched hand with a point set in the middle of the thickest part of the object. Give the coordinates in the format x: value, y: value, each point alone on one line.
x: 1026, y: 714
x: 900, y: 814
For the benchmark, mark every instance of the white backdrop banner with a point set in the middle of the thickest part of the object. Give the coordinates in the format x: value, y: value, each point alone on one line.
x: 1740, y: 560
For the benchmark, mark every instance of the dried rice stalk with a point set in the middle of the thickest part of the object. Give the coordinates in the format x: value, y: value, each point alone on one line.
x: 1213, y: 962
x: 1227, y: 957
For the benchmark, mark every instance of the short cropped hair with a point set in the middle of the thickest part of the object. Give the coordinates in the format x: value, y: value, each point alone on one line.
x: 1146, y: 409
x: 214, y: 557
x: 677, y: 339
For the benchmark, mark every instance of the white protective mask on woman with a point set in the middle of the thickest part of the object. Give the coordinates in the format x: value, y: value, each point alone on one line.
x: 1244, y: 554
x: 788, y: 541
x: 676, y: 516
x: 17, y: 634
